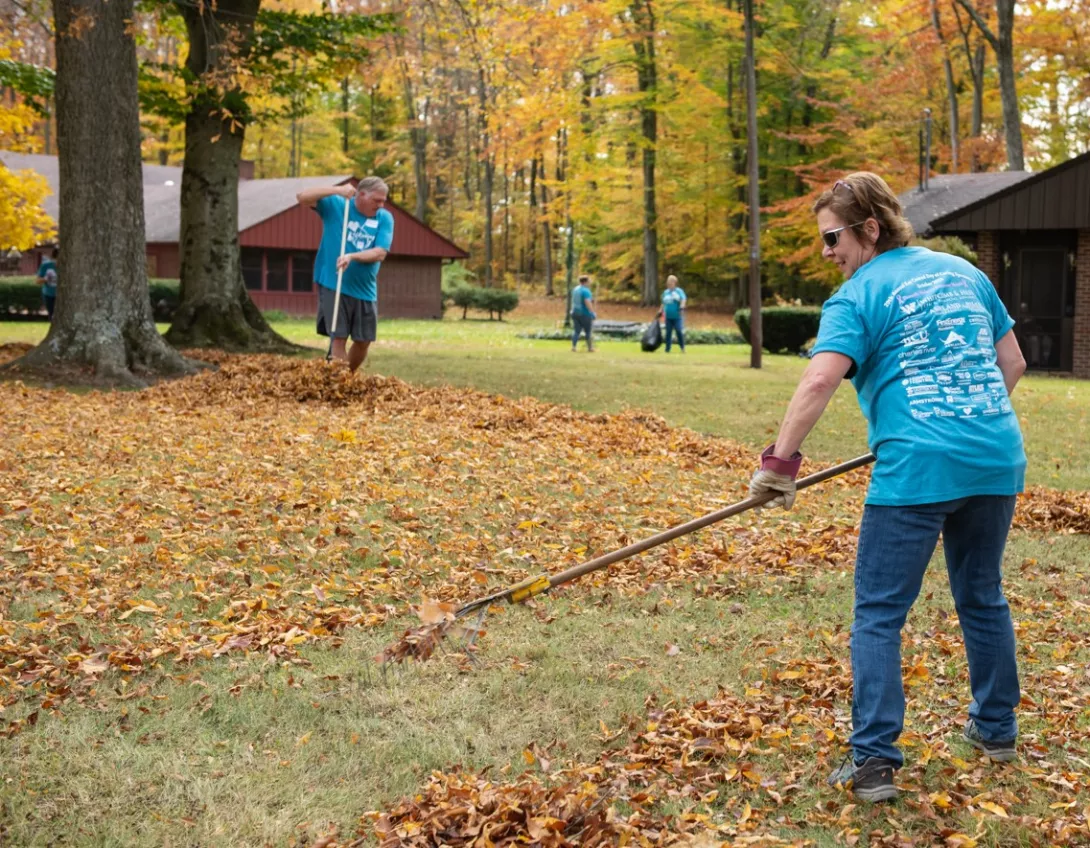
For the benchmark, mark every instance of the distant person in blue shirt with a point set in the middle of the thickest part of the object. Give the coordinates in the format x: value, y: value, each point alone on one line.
x: 370, y: 234
x: 47, y: 279
x: 582, y: 313
x: 673, y: 306
x: 928, y: 346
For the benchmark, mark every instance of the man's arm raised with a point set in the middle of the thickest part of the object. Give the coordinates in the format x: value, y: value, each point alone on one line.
x: 311, y: 196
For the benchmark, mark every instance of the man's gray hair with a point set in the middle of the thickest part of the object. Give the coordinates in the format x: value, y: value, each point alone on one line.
x: 372, y: 185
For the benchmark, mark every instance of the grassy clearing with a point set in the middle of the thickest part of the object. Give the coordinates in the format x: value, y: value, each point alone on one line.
x: 175, y: 523
x: 710, y: 389
x: 249, y: 752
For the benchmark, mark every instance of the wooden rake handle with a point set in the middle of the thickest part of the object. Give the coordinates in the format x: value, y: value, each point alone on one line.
x: 544, y: 582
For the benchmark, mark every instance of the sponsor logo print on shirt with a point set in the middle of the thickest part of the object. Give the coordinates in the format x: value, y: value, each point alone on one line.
x: 915, y: 339
x: 953, y: 339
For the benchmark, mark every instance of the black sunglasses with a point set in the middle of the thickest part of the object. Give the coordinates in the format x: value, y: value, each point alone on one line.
x: 832, y: 237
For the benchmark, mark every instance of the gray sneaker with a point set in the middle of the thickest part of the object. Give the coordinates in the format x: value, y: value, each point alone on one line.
x: 1002, y: 752
x: 870, y: 780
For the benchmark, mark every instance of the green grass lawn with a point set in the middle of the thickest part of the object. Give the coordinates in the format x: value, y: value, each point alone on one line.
x: 710, y: 388
x: 172, y: 523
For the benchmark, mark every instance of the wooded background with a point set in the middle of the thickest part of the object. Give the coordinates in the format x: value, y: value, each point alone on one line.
x: 506, y: 124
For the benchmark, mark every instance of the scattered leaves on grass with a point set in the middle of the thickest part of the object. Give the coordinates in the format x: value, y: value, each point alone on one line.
x: 275, y: 503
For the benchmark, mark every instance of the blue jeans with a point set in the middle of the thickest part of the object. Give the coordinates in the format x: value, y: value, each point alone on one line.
x: 895, y: 545
x: 581, y: 324
x: 675, y: 325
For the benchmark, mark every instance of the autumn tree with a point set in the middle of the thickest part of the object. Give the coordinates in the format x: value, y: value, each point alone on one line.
x: 1002, y: 42
x: 23, y: 221
x: 235, y: 54
x: 103, y: 317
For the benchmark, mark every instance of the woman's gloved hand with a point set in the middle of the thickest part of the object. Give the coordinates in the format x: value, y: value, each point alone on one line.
x: 776, y: 475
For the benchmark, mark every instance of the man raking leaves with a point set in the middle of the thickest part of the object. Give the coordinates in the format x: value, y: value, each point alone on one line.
x: 928, y: 345
x: 356, y: 236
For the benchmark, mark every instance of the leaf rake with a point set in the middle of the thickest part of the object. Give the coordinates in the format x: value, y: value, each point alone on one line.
x: 443, y: 620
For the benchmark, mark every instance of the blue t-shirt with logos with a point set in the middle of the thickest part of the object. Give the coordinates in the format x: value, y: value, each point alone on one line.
x: 671, y: 302
x: 579, y: 297
x: 921, y: 328
x: 360, y: 280
x: 49, y: 287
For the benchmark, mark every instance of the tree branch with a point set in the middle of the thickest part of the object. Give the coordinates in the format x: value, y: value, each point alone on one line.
x: 981, y: 23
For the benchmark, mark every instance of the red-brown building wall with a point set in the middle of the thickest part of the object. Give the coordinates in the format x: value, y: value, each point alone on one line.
x: 408, y: 287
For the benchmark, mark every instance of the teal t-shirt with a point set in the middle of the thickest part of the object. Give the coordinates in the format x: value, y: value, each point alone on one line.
x: 580, y: 296
x: 47, y: 266
x: 921, y: 328
x: 671, y: 302
x: 359, y: 280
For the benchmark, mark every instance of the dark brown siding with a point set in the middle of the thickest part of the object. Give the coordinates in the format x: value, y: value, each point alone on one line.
x: 1057, y: 199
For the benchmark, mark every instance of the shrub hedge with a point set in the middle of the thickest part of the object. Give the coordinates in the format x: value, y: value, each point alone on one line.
x: 783, y: 327
x: 21, y: 299
x: 493, y: 301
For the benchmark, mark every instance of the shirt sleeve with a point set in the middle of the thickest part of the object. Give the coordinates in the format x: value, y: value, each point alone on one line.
x: 385, y: 235
x: 1001, y: 319
x: 328, y: 208
x: 842, y: 331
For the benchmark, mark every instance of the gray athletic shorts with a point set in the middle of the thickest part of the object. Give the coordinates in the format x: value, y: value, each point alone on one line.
x: 356, y: 318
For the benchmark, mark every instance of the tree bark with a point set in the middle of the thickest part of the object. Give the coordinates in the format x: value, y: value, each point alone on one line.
x: 647, y: 81
x: 103, y: 319
x: 951, y: 88
x: 215, y: 310
x: 1003, y: 45
x: 756, y: 336
x: 547, y: 231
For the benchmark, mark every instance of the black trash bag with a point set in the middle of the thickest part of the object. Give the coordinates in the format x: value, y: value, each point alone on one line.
x: 652, y: 337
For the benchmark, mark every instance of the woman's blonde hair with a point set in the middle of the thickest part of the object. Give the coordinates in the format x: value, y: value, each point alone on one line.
x: 863, y: 195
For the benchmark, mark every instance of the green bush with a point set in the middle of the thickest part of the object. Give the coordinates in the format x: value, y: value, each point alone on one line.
x: 21, y: 299
x: 271, y: 315
x: 492, y: 301
x: 783, y: 327
x: 947, y: 244
x: 497, y: 301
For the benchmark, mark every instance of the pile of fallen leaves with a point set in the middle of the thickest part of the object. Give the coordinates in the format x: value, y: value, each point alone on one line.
x: 730, y: 769
x: 278, y: 502
x: 274, y: 503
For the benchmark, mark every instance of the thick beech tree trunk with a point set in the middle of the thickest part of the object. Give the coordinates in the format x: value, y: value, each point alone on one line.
x: 103, y: 318
x: 215, y: 308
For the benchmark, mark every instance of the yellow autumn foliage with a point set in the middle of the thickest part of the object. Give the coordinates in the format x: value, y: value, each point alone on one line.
x: 23, y: 221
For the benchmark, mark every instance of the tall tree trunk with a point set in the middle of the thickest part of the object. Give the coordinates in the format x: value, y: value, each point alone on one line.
x: 418, y: 138
x: 547, y: 232
x: 533, y: 226
x: 951, y: 88
x: 1003, y: 45
x: 756, y: 336
x: 647, y: 82
x: 506, y: 213
x: 215, y: 310
x: 103, y: 318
